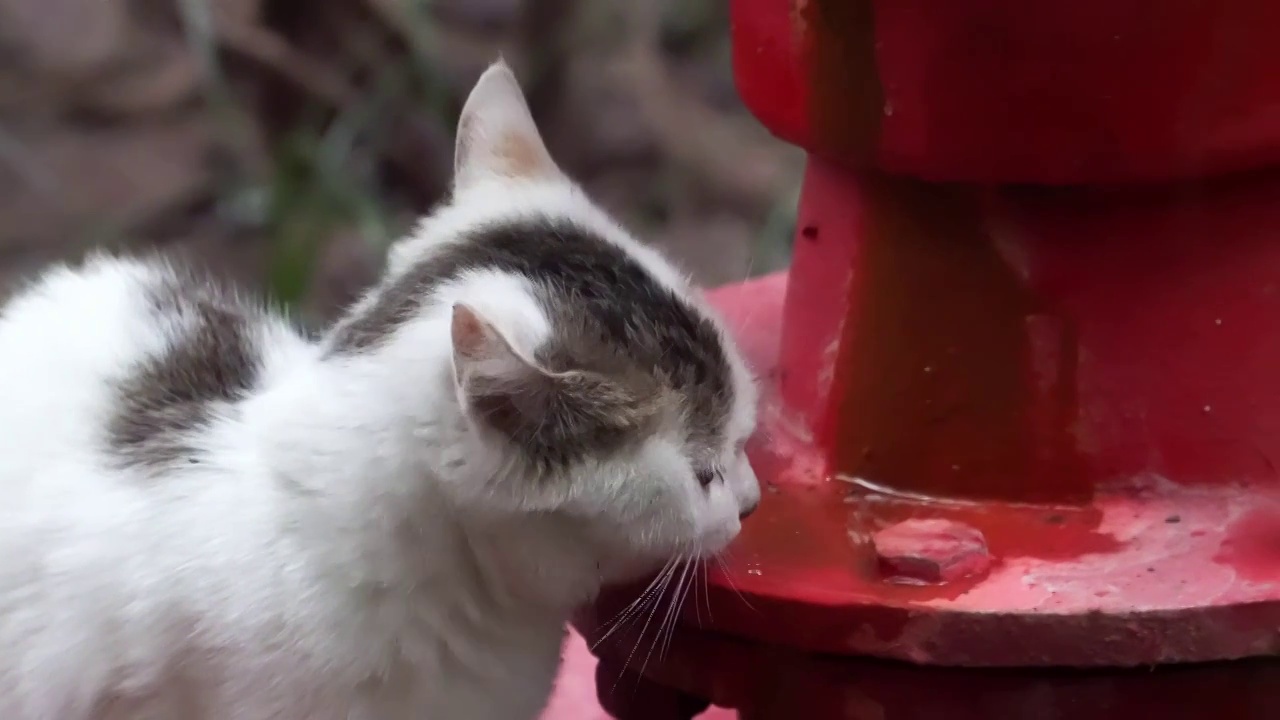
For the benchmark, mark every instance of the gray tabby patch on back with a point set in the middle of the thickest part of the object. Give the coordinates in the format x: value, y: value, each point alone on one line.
x: 636, y: 342
x: 171, y: 396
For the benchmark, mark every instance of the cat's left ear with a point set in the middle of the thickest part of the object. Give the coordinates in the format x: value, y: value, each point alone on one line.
x: 548, y: 414
x: 481, y: 353
x: 496, y: 385
x: 496, y: 133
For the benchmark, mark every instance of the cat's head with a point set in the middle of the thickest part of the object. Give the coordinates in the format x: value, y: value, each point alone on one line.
x: 595, y: 385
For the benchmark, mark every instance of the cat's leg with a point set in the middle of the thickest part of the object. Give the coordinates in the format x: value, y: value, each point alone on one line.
x: 627, y: 695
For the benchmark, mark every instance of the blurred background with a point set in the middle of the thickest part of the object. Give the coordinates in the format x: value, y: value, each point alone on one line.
x: 285, y: 143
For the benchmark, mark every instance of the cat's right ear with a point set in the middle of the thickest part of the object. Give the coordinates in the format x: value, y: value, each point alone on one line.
x: 496, y: 133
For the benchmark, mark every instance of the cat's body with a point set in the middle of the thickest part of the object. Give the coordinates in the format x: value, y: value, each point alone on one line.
x: 122, y: 583
x: 206, y: 515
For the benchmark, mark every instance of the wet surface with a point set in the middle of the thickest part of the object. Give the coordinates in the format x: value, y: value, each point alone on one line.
x: 1252, y: 546
x: 821, y: 531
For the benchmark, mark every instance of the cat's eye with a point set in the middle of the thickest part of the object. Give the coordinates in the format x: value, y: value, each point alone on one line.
x: 706, y: 477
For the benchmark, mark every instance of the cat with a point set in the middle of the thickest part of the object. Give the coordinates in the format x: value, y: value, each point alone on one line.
x: 205, y: 514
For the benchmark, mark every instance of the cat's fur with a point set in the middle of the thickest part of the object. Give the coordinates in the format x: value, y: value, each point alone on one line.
x: 204, y: 515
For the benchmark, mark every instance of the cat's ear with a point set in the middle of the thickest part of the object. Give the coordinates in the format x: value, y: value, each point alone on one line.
x: 497, y: 386
x: 496, y: 133
x: 550, y: 415
x: 481, y: 353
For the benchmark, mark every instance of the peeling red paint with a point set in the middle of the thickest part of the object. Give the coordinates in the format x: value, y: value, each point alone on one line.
x: 1252, y: 545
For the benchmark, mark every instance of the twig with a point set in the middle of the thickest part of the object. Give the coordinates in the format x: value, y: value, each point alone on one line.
x: 15, y: 156
x: 546, y: 30
x: 272, y: 51
x: 411, y: 141
x: 713, y: 146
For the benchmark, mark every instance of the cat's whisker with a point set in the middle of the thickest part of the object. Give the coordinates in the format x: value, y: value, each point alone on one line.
x: 668, y: 625
x: 675, y: 621
x: 661, y: 631
x: 763, y: 433
x: 635, y: 608
x: 638, y: 598
x: 642, y: 603
x: 677, y: 600
x: 706, y: 590
x: 728, y: 578
x: 662, y: 588
x: 654, y: 600
x: 697, y: 606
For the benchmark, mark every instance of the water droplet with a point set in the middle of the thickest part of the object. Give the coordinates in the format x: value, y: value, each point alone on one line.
x: 1208, y: 408
x: 1217, y: 321
x: 754, y: 571
x: 928, y: 369
x: 888, y: 109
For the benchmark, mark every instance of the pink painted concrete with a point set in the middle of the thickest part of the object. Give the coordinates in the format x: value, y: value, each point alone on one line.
x: 575, y: 693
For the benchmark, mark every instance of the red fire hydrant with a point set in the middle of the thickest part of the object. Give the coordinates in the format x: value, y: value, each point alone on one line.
x: 1021, y: 421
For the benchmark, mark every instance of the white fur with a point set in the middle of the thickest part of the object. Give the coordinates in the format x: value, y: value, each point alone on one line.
x: 352, y: 548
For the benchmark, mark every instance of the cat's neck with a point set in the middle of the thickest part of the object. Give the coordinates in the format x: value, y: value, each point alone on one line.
x: 361, y: 448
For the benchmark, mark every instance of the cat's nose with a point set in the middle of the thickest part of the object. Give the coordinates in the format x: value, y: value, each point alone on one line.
x: 746, y: 512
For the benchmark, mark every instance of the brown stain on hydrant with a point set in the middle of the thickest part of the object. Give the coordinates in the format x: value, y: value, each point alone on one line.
x: 934, y: 390
x: 846, y: 102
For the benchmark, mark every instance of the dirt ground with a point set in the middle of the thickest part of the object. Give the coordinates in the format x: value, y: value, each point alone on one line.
x: 285, y: 142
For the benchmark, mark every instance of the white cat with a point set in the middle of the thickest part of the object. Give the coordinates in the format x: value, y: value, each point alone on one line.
x: 204, y: 515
